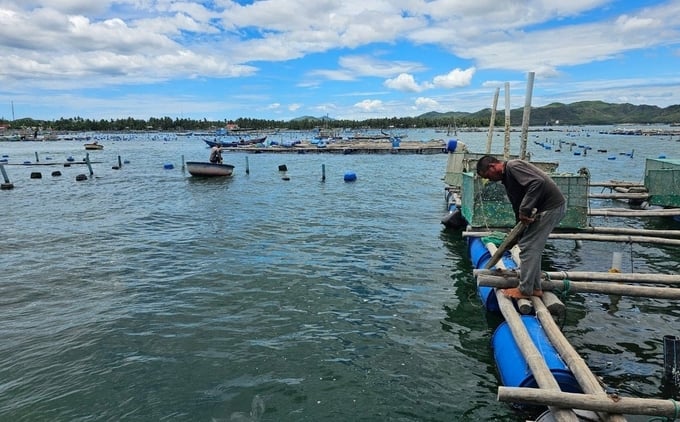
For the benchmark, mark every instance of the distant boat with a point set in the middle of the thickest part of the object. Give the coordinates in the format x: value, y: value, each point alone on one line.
x: 202, y: 169
x: 94, y: 145
x: 240, y: 142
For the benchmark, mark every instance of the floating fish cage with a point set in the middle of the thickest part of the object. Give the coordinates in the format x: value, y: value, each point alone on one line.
x: 485, y: 204
x: 662, y: 180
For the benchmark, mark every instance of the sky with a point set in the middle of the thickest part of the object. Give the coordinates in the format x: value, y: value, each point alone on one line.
x: 345, y: 59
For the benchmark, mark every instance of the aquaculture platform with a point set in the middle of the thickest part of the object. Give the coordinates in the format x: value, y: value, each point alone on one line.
x: 348, y: 147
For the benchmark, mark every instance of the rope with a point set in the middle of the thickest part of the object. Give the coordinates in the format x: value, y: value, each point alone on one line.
x: 566, y: 286
x: 676, y: 414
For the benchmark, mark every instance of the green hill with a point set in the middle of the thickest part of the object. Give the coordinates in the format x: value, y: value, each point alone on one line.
x: 579, y: 113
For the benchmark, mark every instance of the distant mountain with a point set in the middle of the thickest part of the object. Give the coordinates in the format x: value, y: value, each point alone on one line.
x: 312, y: 119
x: 579, y: 113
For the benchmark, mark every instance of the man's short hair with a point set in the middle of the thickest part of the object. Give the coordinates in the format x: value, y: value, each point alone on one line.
x: 485, y: 162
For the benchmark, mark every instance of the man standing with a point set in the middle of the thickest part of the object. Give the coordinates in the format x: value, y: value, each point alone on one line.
x: 216, y: 154
x: 527, y: 187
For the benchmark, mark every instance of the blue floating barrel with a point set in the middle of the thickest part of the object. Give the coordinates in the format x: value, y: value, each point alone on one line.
x: 480, y: 255
x: 662, y: 156
x: 350, y: 176
x: 512, y: 366
x: 27, y: 162
x: 168, y: 166
x: 396, y: 142
x: 126, y: 161
x: 451, y: 145
x: 70, y: 158
x: 4, y: 160
x: 611, y: 158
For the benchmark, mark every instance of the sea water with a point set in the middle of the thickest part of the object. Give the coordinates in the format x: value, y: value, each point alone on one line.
x: 145, y: 294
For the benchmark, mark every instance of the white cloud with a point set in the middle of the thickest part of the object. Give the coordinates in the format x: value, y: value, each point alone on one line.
x: 369, y: 106
x: 454, y: 79
x: 407, y: 83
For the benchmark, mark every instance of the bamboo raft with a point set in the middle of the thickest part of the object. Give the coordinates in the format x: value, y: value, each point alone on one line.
x: 565, y: 406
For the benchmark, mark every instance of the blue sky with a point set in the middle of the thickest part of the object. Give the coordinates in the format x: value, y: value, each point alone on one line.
x: 349, y: 59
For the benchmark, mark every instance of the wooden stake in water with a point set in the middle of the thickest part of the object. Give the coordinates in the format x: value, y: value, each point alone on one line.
x: 37, y: 159
x: 7, y: 184
x: 492, y: 121
x: 506, y: 140
x: 89, y: 166
x: 525, y: 117
x: 247, y: 166
x: 323, y: 172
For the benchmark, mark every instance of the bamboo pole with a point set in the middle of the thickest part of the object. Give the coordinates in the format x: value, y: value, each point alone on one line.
x: 598, y: 237
x: 616, y: 404
x: 586, y: 379
x: 539, y: 369
x: 626, y: 230
x: 586, y: 287
x: 492, y: 121
x: 623, y: 212
x: 615, y: 238
x: 506, y: 142
x: 598, y: 230
x: 619, y: 195
x: 525, y: 117
x: 593, y: 276
x: 614, y: 184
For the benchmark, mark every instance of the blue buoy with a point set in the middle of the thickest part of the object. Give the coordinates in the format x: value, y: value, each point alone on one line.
x: 611, y: 158
x: 512, y: 367
x: 350, y: 176
x: 70, y: 158
x: 451, y: 145
x: 662, y: 156
x: 168, y: 166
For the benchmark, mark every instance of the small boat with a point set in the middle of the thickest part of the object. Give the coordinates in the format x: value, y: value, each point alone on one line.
x: 240, y: 142
x: 203, y: 169
x: 94, y: 145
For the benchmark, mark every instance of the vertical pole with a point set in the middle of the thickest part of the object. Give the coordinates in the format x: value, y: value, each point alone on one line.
x: 37, y: 159
x: 182, y: 162
x: 492, y: 122
x: 671, y: 359
x: 525, y: 117
x: 89, y: 166
x: 323, y: 172
x: 120, y: 163
x: 247, y: 166
x: 4, y: 173
x: 506, y: 144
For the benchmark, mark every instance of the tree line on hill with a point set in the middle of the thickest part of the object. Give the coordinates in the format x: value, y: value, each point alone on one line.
x: 575, y: 114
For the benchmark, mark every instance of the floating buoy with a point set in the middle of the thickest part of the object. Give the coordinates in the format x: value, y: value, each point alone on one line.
x: 56, y: 173
x: 70, y: 158
x: 451, y: 145
x: 27, y: 162
x: 512, y: 366
x: 67, y: 165
x: 285, y: 178
x: 126, y: 162
x: 662, y: 156
x: 611, y: 158
x: 350, y: 176
x: 168, y: 166
x: 7, y: 186
x: 4, y: 160
x: 81, y: 177
x: 36, y: 175
x: 283, y: 167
